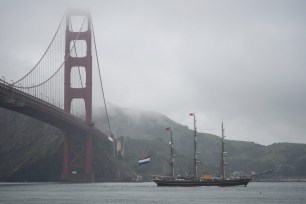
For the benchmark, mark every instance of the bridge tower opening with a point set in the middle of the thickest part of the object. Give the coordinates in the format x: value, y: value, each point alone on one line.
x: 77, y: 162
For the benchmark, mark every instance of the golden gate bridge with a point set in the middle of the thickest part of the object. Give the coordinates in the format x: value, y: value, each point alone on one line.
x: 58, y: 86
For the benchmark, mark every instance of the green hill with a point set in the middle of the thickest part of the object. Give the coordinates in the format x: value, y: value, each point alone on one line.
x: 147, y: 129
x: 31, y: 150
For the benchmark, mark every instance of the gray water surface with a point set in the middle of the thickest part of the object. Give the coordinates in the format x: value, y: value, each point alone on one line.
x: 47, y: 193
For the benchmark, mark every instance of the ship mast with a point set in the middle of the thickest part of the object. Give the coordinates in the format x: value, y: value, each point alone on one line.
x: 195, y: 161
x: 172, y: 152
x: 222, y: 154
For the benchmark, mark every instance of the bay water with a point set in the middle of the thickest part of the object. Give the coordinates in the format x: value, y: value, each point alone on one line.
x: 148, y: 192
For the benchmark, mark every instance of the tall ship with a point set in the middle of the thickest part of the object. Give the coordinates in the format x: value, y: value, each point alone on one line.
x: 195, y: 180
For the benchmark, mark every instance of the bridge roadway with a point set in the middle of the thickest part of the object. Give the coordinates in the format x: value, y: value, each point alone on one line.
x: 21, y: 102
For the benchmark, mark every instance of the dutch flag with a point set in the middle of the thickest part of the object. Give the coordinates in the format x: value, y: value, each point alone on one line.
x: 144, y: 160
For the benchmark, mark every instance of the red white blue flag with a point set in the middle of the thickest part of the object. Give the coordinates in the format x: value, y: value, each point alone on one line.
x: 144, y: 160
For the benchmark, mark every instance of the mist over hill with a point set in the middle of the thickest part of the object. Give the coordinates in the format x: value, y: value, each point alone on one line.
x: 248, y: 157
x: 31, y: 150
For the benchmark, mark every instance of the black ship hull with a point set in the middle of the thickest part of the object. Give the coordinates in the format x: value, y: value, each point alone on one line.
x: 191, y: 183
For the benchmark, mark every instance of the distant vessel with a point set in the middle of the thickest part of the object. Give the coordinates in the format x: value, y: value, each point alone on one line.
x: 203, y: 180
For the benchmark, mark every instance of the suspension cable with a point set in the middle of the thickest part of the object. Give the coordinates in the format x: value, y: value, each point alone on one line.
x: 42, y: 55
x: 29, y: 87
x: 105, y: 106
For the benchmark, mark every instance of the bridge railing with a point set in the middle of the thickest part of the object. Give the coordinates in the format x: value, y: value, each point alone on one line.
x: 11, y: 97
x: 20, y: 97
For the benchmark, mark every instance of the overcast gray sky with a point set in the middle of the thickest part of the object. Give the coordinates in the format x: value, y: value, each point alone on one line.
x: 238, y: 61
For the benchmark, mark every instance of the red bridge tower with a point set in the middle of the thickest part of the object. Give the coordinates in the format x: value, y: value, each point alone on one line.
x: 77, y: 163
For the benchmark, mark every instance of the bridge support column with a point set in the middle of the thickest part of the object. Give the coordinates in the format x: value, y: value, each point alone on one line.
x: 77, y: 163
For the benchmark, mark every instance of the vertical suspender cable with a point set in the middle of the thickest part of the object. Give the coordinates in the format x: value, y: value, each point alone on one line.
x: 16, y: 82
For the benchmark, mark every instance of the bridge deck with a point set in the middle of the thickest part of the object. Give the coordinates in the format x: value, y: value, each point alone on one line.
x: 21, y: 102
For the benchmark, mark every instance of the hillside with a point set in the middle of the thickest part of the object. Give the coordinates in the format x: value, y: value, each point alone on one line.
x: 247, y: 157
x: 31, y: 150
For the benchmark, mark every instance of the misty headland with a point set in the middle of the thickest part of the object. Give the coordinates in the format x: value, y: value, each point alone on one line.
x: 33, y: 151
